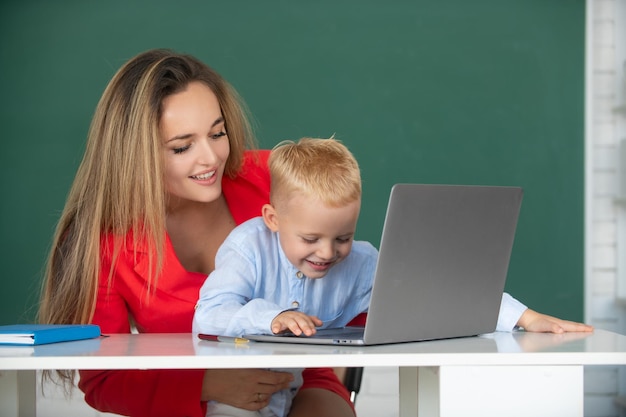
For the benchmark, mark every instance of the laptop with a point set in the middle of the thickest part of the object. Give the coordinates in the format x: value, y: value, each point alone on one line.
x: 442, y: 265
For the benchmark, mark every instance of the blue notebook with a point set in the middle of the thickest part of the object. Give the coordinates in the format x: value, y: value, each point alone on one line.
x: 39, y: 334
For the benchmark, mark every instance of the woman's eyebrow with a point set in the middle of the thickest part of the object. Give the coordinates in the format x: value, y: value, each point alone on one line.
x: 218, y: 121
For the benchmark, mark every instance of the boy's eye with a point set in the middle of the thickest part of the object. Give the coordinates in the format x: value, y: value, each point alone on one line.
x: 344, y: 239
x: 181, y: 149
x: 307, y: 240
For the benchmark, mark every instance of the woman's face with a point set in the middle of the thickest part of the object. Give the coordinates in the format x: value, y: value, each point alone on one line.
x: 195, y: 144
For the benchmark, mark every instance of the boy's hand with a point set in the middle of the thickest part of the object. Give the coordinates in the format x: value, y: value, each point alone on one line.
x: 533, y: 321
x: 296, y: 322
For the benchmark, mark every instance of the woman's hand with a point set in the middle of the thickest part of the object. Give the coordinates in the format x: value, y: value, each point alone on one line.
x: 250, y: 389
x: 533, y: 321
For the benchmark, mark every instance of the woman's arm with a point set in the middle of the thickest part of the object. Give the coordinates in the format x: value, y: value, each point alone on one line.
x: 322, y: 395
x: 317, y: 402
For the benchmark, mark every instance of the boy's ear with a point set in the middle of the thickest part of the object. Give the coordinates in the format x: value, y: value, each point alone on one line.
x: 269, y: 217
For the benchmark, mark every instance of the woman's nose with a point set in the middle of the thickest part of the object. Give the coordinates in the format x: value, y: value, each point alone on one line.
x: 207, y: 155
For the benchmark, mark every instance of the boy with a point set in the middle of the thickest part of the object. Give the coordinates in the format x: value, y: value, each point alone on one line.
x: 268, y: 273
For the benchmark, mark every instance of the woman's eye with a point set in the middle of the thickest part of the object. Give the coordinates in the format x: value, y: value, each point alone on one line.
x: 181, y: 149
x: 218, y: 135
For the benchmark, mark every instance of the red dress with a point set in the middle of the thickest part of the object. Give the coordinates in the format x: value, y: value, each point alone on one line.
x: 153, y: 393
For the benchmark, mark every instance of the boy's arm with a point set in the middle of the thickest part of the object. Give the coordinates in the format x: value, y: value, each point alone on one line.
x: 533, y: 321
x: 510, y: 312
x: 513, y: 313
x: 227, y: 305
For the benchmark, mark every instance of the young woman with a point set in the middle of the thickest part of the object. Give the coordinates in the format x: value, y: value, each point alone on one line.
x: 165, y: 177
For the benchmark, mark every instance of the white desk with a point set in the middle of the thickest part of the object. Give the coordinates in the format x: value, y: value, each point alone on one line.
x: 525, y: 374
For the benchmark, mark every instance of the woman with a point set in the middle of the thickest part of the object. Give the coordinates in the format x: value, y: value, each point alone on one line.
x: 165, y: 177
x: 147, y: 199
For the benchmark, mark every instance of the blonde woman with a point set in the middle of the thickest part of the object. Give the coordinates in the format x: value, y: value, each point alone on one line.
x: 165, y: 177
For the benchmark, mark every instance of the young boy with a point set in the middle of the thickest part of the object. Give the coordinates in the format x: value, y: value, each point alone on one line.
x: 268, y: 273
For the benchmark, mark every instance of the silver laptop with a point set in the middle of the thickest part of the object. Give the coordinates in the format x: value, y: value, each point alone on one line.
x: 442, y: 266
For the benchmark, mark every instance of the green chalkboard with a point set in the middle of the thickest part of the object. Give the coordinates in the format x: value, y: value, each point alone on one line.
x: 474, y: 92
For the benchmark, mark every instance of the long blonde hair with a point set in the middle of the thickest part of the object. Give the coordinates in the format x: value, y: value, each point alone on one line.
x: 119, y: 186
x: 320, y: 168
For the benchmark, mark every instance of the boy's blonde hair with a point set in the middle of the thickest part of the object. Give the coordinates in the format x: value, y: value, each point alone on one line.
x: 322, y: 169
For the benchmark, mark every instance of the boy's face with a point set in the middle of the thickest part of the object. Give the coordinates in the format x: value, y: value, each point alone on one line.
x: 313, y: 236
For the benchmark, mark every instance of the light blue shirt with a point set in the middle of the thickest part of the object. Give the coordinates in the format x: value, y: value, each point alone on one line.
x: 253, y: 282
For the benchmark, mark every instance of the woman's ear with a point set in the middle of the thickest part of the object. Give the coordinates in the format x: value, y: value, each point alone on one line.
x: 270, y: 217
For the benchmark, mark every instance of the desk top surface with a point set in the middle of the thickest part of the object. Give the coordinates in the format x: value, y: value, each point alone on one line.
x: 186, y: 351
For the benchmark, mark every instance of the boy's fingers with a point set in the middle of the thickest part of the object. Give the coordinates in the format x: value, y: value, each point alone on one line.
x: 295, y: 329
x: 296, y: 323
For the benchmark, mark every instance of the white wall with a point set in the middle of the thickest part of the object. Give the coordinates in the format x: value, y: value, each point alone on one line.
x: 606, y: 41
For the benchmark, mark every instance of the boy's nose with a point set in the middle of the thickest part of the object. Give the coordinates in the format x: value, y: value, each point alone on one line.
x: 326, y: 251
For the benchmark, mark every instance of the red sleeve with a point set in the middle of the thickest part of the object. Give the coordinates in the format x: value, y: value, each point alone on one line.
x: 325, y: 378
x: 145, y: 393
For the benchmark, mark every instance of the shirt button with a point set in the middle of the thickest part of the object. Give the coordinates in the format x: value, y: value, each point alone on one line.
x: 295, y: 304
x: 299, y: 274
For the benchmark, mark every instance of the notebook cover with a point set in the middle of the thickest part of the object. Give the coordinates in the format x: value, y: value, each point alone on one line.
x: 39, y: 334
